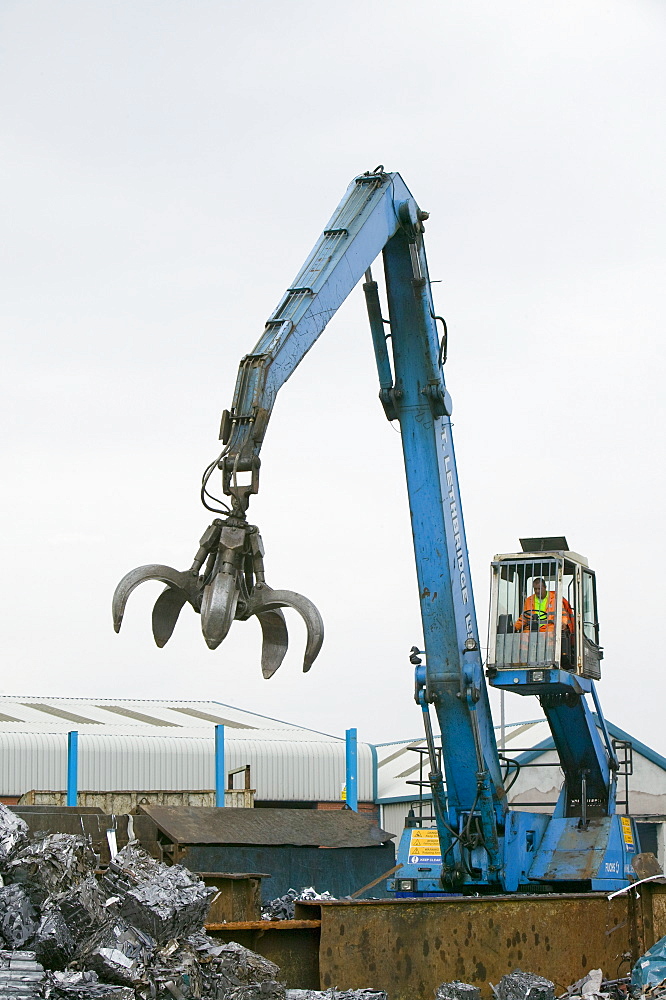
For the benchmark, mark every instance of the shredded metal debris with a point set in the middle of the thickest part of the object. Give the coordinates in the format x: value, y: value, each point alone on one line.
x: 117, y: 952
x: 136, y: 933
x: 53, y: 943
x: 51, y: 865
x: 13, y: 833
x: 282, y: 908
x: 83, y: 907
x: 457, y: 991
x: 20, y: 975
x: 82, y: 986
x: 335, y: 994
x: 18, y: 917
x: 520, y: 985
x: 165, y: 902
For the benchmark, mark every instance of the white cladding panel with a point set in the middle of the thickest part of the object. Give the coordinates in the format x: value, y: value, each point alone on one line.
x: 32, y: 760
x: 393, y: 817
x: 281, y: 769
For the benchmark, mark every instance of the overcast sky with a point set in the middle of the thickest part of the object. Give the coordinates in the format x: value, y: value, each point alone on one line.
x: 167, y: 167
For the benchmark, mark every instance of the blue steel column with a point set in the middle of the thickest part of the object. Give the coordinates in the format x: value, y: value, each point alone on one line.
x: 72, y: 767
x: 351, y: 762
x: 454, y: 678
x: 219, y: 766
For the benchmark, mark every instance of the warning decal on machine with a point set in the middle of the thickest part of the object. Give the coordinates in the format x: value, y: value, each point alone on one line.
x: 627, y: 832
x: 424, y: 847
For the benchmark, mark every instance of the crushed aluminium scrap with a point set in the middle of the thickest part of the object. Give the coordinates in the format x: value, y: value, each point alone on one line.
x: 138, y: 932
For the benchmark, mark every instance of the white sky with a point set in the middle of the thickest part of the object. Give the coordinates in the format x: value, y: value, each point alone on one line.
x: 166, y: 168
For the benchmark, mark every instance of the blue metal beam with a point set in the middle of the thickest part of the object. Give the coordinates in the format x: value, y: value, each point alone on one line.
x: 219, y: 766
x: 351, y: 768
x: 72, y: 767
x: 454, y: 676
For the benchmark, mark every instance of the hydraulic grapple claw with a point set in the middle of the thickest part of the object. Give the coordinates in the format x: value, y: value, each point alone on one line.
x: 218, y: 607
x: 265, y: 599
x: 225, y: 582
x: 275, y: 640
x: 182, y: 583
x: 165, y: 614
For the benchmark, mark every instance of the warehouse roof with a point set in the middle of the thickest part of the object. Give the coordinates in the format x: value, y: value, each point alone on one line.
x: 119, y: 716
x: 302, y: 827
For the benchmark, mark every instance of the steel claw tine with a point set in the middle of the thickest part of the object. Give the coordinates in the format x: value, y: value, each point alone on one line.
x: 218, y: 608
x: 264, y: 598
x: 131, y: 580
x: 165, y: 613
x: 275, y: 640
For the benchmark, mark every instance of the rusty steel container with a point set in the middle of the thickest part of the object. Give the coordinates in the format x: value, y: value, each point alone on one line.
x: 407, y: 947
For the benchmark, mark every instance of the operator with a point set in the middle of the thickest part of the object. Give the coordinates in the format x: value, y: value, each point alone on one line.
x: 539, y: 611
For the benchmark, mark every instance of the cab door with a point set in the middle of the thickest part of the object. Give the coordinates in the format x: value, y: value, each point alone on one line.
x: 590, y: 652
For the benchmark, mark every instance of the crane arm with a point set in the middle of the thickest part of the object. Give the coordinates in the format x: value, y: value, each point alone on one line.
x: 375, y: 206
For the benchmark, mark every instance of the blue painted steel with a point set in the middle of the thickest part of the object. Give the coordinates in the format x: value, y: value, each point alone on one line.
x: 351, y: 768
x: 523, y: 834
x: 599, y: 852
x: 375, y: 764
x: 72, y: 767
x: 359, y: 229
x: 604, y: 728
x: 454, y: 680
x: 554, y: 681
x: 579, y: 747
x: 220, y: 776
x: 577, y: 740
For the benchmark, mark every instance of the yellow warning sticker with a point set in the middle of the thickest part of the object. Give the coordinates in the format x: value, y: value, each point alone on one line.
x: 627, y: 832
x: 424, y: 847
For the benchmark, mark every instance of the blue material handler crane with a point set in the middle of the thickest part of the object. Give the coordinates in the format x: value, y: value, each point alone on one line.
x: 543, y: 634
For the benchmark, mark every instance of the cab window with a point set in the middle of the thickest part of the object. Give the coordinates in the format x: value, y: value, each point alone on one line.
x: 590, y: 623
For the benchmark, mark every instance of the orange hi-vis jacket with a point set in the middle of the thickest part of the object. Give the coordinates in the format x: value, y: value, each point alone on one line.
x: 547, y: 617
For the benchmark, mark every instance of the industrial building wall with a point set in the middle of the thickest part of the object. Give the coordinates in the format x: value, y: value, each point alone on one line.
x: 647, y: 786
x: 393, y: 818
x: 281, y: 770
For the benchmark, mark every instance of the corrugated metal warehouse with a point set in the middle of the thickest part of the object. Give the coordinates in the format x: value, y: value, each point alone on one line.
x: 159, y: 745
x: 168, y: 746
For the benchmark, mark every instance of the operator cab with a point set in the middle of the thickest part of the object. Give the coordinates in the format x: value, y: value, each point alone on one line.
x: 543, y: 614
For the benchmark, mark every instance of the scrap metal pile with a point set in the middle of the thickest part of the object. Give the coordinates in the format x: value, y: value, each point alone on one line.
x: 333, y: 994
x: 136, y: 933
x: 519, y: 985
x: 283, y: 907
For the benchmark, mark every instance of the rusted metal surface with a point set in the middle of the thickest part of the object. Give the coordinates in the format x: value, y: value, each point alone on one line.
x: 291, y: 944
x: 263, y: 925
x: 647, y: 910
x: 300, y: 827
x: 409, y: 947
x: 237, y: 896
x: 656, y: 897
